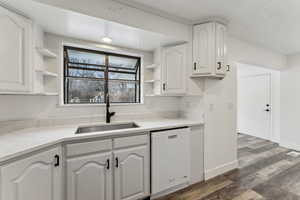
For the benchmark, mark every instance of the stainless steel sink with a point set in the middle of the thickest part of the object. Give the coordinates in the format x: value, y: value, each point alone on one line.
x: 105, y: 127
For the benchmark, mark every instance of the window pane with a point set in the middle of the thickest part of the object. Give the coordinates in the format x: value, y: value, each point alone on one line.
x: 122, y: 91
x: 85, y: 73
x: 85, y: 91
x: 86, y: 57
x: 113, y: 75
x: 115, y: 61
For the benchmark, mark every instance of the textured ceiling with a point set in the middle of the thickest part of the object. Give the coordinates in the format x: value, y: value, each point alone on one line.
x: 273, y: 24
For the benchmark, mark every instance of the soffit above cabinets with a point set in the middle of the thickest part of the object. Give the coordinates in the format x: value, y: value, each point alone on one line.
x: 71, y: 24
x: 268, y: 23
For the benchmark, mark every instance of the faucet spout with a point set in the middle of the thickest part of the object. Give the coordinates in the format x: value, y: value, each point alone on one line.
x: 108, y: 113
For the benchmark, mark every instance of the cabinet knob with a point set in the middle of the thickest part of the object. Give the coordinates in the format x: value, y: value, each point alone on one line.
x: 164, y: 86
x: 195, y: 66
x: 219, y: 65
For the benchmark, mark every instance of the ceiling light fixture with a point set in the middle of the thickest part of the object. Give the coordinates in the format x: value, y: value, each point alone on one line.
x: 106, y: 39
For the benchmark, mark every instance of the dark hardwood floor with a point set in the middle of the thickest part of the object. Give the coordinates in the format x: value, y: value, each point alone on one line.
x: 265, y: 172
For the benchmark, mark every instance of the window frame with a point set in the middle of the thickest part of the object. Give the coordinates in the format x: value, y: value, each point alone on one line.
x: 106, y: 53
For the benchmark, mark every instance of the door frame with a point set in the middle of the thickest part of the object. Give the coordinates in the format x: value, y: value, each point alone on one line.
x: 274, y: 108
x: 270, y: 123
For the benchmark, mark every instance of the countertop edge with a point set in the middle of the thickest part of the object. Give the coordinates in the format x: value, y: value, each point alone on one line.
x: 60, y: 141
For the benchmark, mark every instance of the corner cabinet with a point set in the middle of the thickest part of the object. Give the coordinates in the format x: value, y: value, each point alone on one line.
x: 34, y: 178
x: 15, y: 52
x: 209, y: 50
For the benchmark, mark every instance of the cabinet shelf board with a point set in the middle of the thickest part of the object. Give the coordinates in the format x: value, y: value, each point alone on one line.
x: 46, y: 52
x: 153, y: 66
x: 30, y: 93
x: 150, y: 81
x: 47, y: 73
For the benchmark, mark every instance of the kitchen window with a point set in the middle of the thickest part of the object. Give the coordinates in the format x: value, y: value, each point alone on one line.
x: 90, y: 75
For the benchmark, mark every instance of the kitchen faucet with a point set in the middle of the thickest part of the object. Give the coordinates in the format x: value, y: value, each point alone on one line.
x: 108, y: 114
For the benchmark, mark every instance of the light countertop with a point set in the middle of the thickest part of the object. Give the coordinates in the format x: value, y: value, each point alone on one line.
x: 28, y: 140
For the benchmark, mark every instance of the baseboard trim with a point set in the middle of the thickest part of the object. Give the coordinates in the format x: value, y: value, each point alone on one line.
x: 211, y: 173
x: 290, y: 145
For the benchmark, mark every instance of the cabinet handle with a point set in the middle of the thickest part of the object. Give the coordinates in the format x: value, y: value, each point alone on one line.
x: 107, y: 164
x: 228, y: 68
x: 195, y: 66
x: 56, y: 157
x: 117, y: 162
x: 220, y: 65
x: 172, y: 136
x: 164, y: 86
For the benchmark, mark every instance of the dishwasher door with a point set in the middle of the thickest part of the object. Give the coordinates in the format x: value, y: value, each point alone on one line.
x: 170, y: 159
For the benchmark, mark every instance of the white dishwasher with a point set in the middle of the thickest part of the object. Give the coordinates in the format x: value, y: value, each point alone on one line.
x: 170, y: 159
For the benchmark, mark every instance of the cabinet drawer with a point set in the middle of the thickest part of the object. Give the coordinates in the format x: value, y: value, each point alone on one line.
x: 130, y: 141
x: 88, y: 147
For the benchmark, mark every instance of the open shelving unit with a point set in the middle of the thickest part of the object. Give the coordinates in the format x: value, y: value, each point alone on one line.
x: 46, y: 52
x: 47, y: 73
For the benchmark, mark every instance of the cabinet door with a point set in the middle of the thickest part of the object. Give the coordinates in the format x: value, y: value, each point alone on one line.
x: 89, y: 177
x: 132, y: 173
x: 203, y: 48
x: 174, y: 64
x: 33, y: 178
x: 221, y: 52
x: 15, y: 52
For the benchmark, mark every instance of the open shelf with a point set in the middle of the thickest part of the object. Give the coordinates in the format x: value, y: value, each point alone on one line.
x: 46, y: 52
x: 32, y: 94
x: 153, y: 66
x: 47, y: 73
x: 150, y: 81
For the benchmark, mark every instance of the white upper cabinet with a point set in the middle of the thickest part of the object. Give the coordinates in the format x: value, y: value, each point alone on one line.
x: 209, y: 50
x: 33, y: 178
x: 173, y: 70
x: 15, y: 52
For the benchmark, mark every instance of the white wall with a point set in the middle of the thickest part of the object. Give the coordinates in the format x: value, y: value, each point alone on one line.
x: 116, y: 12
x: 220, y: 97
x: 16, y: 107
x: 248, y: 70
x: 290, y: 109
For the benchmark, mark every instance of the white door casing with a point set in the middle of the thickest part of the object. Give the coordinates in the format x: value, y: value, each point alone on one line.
x: 254, y: 94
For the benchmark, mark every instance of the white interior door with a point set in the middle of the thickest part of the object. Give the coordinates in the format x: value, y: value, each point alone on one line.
x: 254, y: 105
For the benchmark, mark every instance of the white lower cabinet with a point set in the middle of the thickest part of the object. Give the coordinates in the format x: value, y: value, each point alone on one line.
x: 33, y: 178
x: 120, y: 172
x: 132, y: 173
x: 90, y: 177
